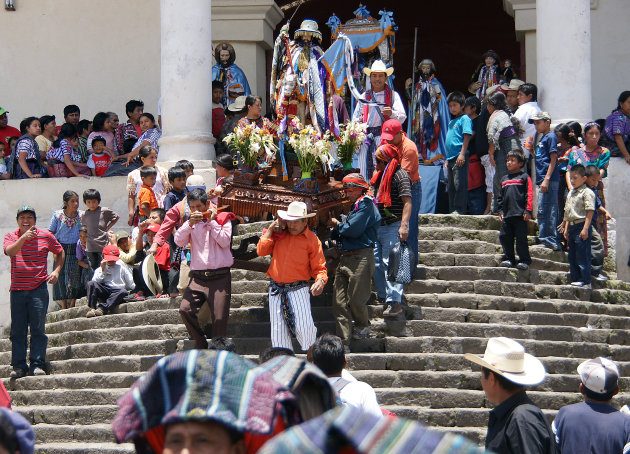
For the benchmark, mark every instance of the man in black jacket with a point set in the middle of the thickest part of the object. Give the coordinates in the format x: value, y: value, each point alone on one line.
x: 514, y: 204
x: 516, y: 424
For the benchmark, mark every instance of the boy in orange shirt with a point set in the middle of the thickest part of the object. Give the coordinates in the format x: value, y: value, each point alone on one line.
x: 146, y: 197
x: 297, y: 256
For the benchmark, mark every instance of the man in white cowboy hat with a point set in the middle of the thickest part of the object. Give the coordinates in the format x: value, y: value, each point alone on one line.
x: 297, y: 256
x: 594, y: 426
x: 516, y: 424
x: 511, y: 93
x: 384, y: 104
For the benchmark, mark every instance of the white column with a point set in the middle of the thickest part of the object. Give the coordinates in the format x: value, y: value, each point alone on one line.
x: 186, y: 80
x: 563, y: 47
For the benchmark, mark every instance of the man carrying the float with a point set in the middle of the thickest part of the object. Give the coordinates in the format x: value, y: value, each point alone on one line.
x: 384, y: 104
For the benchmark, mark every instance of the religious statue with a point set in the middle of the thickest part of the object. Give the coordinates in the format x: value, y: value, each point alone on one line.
x: 487, y: 74
x: 231, y: 76
x: 429, y: 116
x: 298, y: 80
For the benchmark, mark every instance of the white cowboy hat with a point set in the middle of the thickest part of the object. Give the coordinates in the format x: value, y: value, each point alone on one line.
x: 513, y: 85
x: 378, y: 67
x: 238, y: 104
x: 295, y: 211
x: 151, y: 274
x: 507, y: 358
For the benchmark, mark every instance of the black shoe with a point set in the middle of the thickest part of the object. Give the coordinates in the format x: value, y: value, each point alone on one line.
x: 17, y: 373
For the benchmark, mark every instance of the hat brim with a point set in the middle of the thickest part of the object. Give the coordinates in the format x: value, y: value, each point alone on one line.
x: 287, y: 217
x: 111, y: 258
x: 387, y: 136
x: 388, y: 72
x: 534, y: 370
x: 151, y: 274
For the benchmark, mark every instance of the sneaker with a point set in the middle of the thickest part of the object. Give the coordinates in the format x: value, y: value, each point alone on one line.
x: 600, y: 278
x: 38, y: 371
x: 392, y: 310
x: 361, y: 333
x: 91, y: 313
x: 507, y: 264
x: 522, y: 266
x: 17, y: 373
x: 98, y: 312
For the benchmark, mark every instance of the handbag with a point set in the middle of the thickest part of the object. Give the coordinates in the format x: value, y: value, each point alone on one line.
x: 401, y: 267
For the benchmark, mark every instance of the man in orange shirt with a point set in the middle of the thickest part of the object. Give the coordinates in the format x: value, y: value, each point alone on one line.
x: 409, y: 161
x: 297, y: 256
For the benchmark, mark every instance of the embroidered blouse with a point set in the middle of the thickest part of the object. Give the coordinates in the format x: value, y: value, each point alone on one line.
x: 65, y: 229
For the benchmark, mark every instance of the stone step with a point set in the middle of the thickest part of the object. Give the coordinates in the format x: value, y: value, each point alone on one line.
x: 474, y: 434
x: 467, y: 222
x: 461, y: 345
x: 519, y: 290
x: 88, y: 433
x: 454, y: 418
x: 90, y: 413
x: 74, y: 381
x: 514, y: 304
x: 465, y: 398
x: 57, y: 398
x: 85, y: 448
x: 450, y: 362
x: 484, y: 260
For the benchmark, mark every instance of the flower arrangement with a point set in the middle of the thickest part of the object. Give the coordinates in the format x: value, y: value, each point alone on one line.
x: 352, y: 135
x: 251, y: 142
x: 311, y: 148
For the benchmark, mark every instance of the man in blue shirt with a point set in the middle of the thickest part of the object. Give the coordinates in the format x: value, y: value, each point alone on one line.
x: 358, y: 233
x: 594, y: 426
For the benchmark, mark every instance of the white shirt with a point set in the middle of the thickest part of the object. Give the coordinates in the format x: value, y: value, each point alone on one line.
x: 524, y: 113
x: 374, y: 119
x: 117, y: 276
x: 358, y: 394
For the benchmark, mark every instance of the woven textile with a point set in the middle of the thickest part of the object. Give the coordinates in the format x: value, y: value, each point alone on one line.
x: 351, y: 430
x: 202, y: 385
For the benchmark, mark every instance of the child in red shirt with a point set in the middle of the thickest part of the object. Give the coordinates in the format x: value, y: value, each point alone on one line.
x: 146, y: 197
x: 99, y: 160
x: 218, y: 110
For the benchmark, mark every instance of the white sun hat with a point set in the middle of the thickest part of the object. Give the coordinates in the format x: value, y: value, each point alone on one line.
x: 295, y: 211
x: 507, y: 358
x: 378, y: 67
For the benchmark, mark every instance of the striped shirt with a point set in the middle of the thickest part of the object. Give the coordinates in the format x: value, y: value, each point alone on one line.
x: 152, y: 136
x: 401, y: 187
x: 59, y: 153
x: 29, y: 266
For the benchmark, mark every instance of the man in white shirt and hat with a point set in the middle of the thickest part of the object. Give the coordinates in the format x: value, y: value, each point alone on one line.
x: 511, y: 93
x: 383, y: 104
x: 516, y: 424
x: 527, y: 96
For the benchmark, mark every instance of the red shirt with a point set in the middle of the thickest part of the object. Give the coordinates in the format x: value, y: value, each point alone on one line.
x: 9, y: 131
x: 29, y: 266
x: 101, y: 163
x: 218, y: 120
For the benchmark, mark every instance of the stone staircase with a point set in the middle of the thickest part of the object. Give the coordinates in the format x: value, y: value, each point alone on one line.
x: 459, y: 299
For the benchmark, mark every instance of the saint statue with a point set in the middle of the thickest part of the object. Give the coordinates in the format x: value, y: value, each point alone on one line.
x: 231, y: 76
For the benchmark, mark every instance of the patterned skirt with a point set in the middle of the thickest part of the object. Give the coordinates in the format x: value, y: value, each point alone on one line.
x: 62, y: 289
x: 602, y: 223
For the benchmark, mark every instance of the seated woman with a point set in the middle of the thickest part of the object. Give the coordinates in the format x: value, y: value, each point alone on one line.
x: 102, y: 126
x: 125, y: 163
x: 617, y: 130
x: 25, y: 159
x: 64, y: 155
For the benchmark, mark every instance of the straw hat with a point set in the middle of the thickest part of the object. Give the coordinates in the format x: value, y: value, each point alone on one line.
x: 513, y: 85
x: 507, y: 358
x: 238, y: 104
x: 378, y: 67
x: 151, y: 274
x: 295, y: 211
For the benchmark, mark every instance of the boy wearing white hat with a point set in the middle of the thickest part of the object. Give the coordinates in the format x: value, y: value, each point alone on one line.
x: 297, y: 256
x: 516, y: 424
x: 594, y: 426
x: 384, y: 104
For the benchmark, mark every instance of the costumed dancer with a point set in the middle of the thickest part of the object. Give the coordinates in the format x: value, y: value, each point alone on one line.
x: 486, y: 75
x: 298, y: 80
x: 297, y: 256
x: 231, y: 76
x: 430, y: 116
x: 389, y: 106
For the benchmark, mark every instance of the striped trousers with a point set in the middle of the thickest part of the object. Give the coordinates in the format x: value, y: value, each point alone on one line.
x: 305, y: 330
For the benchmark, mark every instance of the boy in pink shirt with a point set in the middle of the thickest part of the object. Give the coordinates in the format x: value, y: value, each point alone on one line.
x: 210, y: 262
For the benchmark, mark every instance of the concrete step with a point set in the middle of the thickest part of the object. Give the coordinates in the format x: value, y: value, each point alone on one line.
x: 88, y: 433
x: 74, y: 381
x: 485, y: 260
x: 68, y: 414
x: 467, y: 222
x: 60, y: 398
x: 85, y: 448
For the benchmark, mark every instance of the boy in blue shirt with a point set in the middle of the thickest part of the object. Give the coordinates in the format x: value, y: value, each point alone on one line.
x: 548, y: 181
x: 460, y: 130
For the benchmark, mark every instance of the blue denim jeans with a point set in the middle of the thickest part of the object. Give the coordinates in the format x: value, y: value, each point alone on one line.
x: 28, y: 309
x: 386, y: 239
x: 548, y: 215
x: 416, y: 201
x: 580, y: 254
